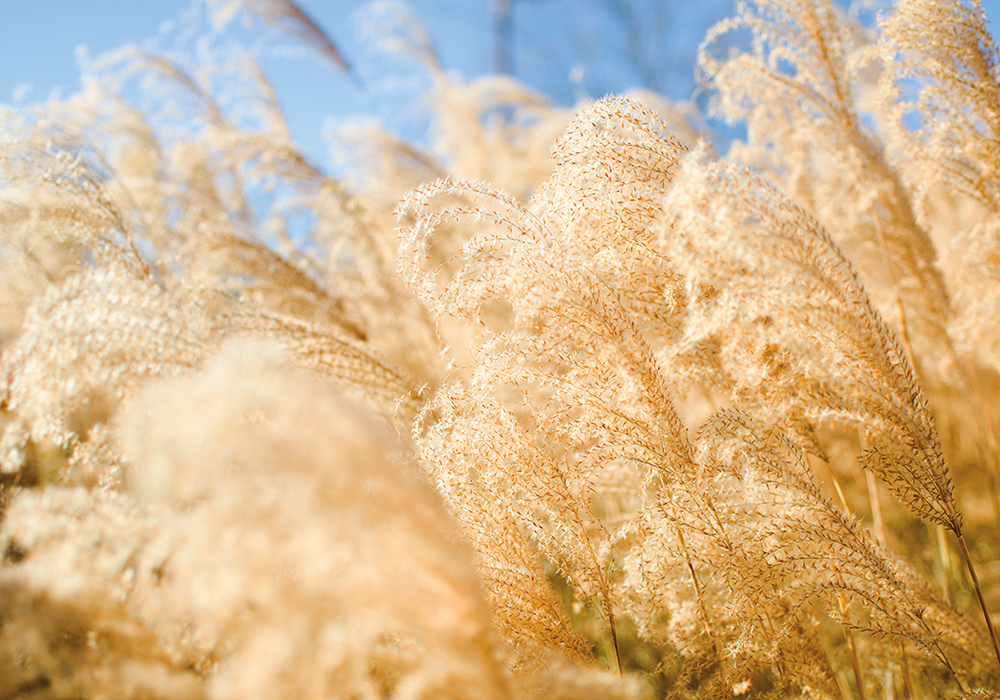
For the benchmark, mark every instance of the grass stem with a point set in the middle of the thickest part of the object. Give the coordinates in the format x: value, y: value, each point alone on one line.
x: 979, y: 594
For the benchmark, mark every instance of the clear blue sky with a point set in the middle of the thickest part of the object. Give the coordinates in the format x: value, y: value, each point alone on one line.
x: 38, y: 49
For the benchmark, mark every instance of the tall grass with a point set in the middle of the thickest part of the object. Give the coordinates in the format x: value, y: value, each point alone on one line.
x: 559, y: 406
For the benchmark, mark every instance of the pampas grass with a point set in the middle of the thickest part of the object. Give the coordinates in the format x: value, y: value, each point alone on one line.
x: 558, y: 406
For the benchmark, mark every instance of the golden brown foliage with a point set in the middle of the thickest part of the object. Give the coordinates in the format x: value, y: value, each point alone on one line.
x: 630, y: 421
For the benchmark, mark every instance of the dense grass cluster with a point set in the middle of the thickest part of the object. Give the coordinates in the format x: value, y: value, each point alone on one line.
x: 560, y: 405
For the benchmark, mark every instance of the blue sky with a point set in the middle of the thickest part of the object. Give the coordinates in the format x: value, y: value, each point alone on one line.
x: 38, y: 47
x: 40, y: 50
x: 557, y: 40
x: 38, y: 54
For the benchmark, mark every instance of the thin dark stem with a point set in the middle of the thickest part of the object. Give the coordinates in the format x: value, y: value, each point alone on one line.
x: 701, y: 599
x: 979, y: 594
x: 944, y: 657
x: 503, y: 36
